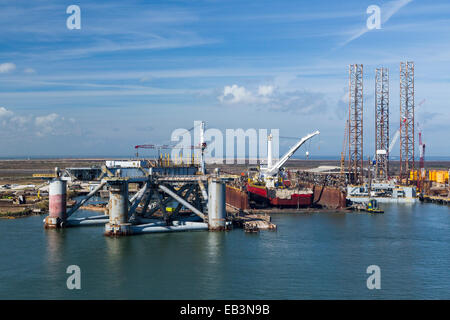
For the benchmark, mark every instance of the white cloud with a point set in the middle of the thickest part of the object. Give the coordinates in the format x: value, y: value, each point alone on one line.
x: 7, y: 67
x: 5, y: 113
x: 235, y: 94
x: 20, y: 121
x: 46, y: 120
x: 265, y: 90
x: 274, y: 99
x: 10, y: 122
x: 47, y: 125
x: 29, y: 125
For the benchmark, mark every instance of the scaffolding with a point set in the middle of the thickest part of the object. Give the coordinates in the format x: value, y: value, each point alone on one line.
x: 355, y: 124
x: 382, y: 123
x: 406, y: 119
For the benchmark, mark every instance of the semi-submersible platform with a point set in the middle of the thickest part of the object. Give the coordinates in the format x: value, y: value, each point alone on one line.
x: 169, y: 197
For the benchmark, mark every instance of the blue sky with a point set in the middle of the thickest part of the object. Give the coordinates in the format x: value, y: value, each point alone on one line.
x: 137, y: 70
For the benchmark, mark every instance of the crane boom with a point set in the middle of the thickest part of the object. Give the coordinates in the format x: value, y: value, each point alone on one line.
x: 397, y: 133
x: 273, y: 170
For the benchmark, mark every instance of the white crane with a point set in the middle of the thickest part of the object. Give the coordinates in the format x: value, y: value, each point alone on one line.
x: 397, y: 133
x: 268, y: 173
x: 394, y: 140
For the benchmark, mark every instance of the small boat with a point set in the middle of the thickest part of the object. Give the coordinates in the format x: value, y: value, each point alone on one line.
x: 372, y: 207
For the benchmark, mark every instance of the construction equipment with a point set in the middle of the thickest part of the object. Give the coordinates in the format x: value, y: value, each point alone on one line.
x: 162, y: 147
x: 44, y: 175
x: 422, y: 172
x: 267, y: 188
x: 397, y: 133
x: 271, y: 171
x: 201, y: 145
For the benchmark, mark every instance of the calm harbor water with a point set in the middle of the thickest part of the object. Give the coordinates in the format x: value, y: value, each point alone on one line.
x: 310, y: 256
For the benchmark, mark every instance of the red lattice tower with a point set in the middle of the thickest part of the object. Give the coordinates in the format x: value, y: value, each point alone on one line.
x: 355, y: 124
x: 382, y: 123
x: 406, y: 119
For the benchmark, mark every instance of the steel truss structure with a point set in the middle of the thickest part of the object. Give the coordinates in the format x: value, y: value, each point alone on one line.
x: 406, y: 119
x: 355, y: 124
x: 382, y: 123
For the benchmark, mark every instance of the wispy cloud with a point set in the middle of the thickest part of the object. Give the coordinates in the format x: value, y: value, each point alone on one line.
x: 12, y: 123
x: 29, y: 70
x: 274, y: 99
x: 143, y: 44
x: 290, y: 16
x: 117, y: 27
x: 30, y: 95
x: 7, y: 67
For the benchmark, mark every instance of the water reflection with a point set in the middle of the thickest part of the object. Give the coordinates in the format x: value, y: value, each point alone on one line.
x: 214, y: 246
x: 309, y: 256
x: 213, y: 266
x: 117, y: 249
x: 55, y: 249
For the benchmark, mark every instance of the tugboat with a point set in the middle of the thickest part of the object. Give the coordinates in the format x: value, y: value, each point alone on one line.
x: 372, y: 207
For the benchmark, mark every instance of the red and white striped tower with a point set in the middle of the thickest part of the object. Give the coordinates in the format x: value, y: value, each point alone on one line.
x: 57, y: 203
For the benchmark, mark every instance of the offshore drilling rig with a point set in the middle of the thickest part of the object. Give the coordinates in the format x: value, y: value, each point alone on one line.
x: 377, y: 180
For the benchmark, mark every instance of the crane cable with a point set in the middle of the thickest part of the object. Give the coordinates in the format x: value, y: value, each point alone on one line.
x: 166, y: 142
x: 307, y: 149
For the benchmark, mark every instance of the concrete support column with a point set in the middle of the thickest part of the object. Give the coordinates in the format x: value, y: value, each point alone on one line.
x: 118, y: 210
x: 57, y: 204
x: 216, y: 204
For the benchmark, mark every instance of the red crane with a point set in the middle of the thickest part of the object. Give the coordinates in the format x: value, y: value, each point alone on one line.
x: 421, y: 176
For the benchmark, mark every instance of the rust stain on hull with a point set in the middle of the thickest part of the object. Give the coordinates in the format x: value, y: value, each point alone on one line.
x: 237, y: 198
